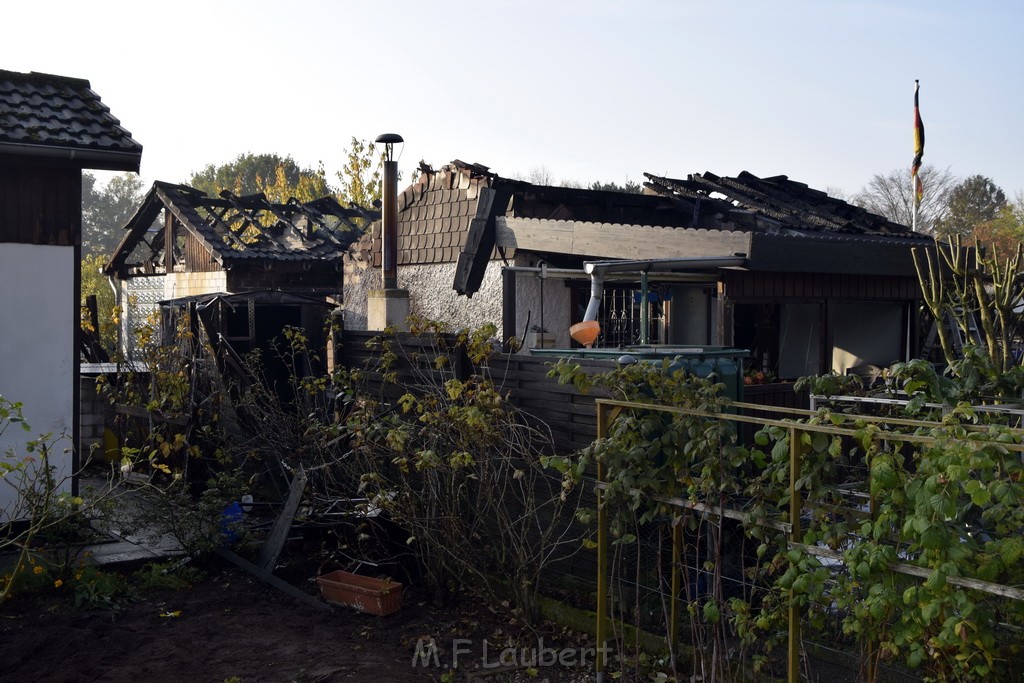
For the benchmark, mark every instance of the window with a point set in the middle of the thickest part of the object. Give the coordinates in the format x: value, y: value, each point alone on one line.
x: 620, y: 310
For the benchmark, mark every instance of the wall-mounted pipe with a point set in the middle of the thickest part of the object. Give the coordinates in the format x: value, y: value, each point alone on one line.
x: 600, y: 269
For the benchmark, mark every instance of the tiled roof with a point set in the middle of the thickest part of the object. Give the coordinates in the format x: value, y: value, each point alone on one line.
x: 441, y: 214
x: 436, y: 211
x: 46, y: 115
x: 237, y: 229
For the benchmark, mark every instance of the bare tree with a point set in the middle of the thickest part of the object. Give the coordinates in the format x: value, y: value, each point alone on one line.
x: 836, y: 192
x: 890, y: 195
x: 538, y: 175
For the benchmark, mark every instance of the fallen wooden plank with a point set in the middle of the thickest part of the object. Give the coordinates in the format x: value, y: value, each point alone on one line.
x: 271, y: 550
x: 267, y: 577
x: 125, y: 552
x: 128, y: 549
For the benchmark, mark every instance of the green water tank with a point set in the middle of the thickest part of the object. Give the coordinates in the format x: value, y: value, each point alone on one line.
x: 725, y: 363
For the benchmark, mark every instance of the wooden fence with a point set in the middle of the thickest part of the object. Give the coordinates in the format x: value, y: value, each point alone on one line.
x: 571, y: 415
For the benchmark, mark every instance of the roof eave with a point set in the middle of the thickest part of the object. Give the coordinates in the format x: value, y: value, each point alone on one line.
x: 104, y: 160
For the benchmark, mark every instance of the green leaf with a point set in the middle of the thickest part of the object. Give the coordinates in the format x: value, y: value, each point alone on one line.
x: 1012, y: 549
x: 820, y: 442
x: 981, y: 497
x: 711, y: 614
x: 936, y: 581
x: 933, y: 538
x: 883, y: 472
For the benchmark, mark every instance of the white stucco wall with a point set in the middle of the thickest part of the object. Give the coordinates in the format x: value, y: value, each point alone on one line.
x: 689, y: 316
x: 37, y: 315
x: 431, y: 296
x: 541, y: 303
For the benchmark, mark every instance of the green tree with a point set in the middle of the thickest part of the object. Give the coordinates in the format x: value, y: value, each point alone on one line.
x: 629, y: 187
x: 890, y: 195
x: 95, y: 283
x: 361, y: 175
x: 106, y: 209
x: 278, y: 188
x: 1004, y: 231
x: 973, y: 201
x: 253, y: 173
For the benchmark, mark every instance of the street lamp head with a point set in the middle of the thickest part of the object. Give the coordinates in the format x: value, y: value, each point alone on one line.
x: 389, y: 140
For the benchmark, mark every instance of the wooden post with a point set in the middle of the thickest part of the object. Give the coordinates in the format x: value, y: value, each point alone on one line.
x: 871, y: 669
x: 169, y: 243
x: 795, y: 505
x: 602, y: 557
x: 677, y: 552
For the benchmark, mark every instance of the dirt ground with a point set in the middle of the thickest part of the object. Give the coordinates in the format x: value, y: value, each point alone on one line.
x: 234, y: 627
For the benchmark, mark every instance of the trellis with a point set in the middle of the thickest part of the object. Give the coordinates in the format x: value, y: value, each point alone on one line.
x: 608, y: 410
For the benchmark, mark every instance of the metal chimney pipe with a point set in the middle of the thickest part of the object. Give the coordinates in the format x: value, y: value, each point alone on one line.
x: 389, y: 210
x: 389, y: 224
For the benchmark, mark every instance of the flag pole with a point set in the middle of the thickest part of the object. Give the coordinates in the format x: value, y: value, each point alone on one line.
x: 916, y: 187
x: 913, y: 199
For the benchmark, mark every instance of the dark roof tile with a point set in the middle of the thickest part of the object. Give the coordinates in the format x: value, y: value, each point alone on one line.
x: 40, y: 112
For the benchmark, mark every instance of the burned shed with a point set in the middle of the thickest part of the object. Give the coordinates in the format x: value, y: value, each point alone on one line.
x: 806, y: 281
x: 826, y: 285
x: 182, y: 243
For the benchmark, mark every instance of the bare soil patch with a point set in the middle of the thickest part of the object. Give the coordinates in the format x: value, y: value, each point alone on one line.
x: 234, y: 626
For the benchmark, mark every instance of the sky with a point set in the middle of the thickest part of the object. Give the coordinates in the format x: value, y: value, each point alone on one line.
x: 589, y: 90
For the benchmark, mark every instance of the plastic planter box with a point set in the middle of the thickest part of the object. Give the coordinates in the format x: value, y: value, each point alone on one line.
x: 366, y: 594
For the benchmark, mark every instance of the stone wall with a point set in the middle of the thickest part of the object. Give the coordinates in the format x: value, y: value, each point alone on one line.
x: 94, y: 414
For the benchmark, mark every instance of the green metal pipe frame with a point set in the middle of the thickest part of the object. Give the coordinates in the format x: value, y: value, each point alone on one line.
x: 795, y: 505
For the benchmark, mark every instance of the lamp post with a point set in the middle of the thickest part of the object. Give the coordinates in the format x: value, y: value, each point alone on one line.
x: 389, y: 210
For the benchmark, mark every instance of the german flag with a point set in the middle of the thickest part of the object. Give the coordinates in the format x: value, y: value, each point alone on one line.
x: 918, y: 145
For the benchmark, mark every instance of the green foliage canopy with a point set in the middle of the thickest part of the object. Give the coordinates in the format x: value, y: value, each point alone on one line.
x: 973, y: 201
x: 251, y: 173
x: 106, y: 209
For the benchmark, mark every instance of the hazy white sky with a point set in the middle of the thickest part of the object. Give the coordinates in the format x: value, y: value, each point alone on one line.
x: 821, y: 91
